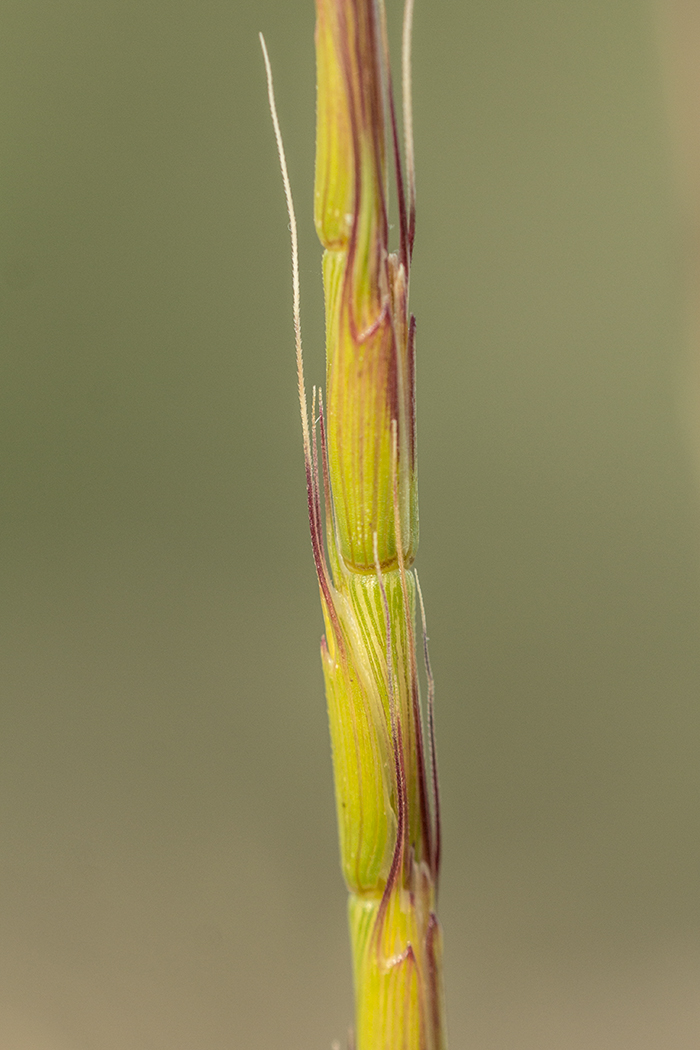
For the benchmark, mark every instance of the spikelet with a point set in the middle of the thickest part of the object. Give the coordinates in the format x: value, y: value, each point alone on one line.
x: 360, y: 457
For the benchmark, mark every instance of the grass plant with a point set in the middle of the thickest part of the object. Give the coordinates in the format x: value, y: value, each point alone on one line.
x: 361, y: 481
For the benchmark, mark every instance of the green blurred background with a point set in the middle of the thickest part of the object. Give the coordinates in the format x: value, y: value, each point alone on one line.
x: 168, y: 863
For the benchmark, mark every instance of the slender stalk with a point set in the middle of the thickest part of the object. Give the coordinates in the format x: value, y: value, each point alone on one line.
x: 360, y: 458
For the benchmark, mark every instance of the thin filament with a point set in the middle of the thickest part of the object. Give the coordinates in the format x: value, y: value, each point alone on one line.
x: 296, y: 298
x: 312, y: 481
x: 407, y: 101
x: 431, y: 735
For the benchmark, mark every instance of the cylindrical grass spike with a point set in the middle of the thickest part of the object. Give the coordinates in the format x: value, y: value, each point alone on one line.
x: 387, y: 812
x: 360, y: 458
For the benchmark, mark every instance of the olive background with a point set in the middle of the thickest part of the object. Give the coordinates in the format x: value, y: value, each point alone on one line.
x: 168, y: 859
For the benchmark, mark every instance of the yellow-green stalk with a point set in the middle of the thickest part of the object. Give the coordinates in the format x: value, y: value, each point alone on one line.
x: 389, y: 840
x: 363, y: 512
